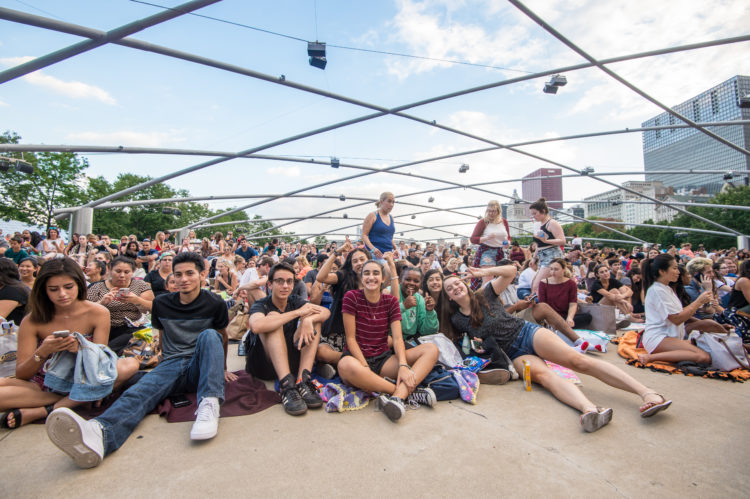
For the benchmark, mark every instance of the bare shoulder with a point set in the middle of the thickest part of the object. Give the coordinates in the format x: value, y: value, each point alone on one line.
x: 94, y: 309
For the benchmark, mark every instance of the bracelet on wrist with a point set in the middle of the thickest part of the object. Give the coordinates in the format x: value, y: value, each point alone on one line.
x: 405, y: 365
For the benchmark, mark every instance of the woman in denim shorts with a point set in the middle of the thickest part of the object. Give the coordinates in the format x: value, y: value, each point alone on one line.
x: 482, y: 314
x: 549, y: 239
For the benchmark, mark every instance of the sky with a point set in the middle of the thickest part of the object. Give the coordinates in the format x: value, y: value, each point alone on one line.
x: 118, y: 96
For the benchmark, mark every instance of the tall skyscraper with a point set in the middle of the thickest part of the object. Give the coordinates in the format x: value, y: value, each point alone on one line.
x: 689, y: 149
x: 538, y: 184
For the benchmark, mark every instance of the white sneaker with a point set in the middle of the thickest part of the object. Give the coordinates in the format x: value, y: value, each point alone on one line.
x: 207, y: 419
x: 80, y: 439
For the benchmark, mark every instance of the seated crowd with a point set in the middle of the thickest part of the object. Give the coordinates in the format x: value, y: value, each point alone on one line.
x: 362, y: 311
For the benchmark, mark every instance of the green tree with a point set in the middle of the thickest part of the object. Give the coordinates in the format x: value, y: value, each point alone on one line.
x: 57, y: 181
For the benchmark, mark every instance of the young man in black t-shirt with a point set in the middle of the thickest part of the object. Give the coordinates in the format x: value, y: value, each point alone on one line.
x: 286, y: 333
x: 194, y: 345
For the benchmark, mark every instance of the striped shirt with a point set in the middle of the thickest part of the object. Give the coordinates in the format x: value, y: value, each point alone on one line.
x: 372, y: 320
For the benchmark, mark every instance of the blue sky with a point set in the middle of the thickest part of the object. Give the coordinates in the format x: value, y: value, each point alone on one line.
x: 119, y: 96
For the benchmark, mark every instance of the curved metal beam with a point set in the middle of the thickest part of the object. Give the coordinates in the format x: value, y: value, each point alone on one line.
x: 108, y: 37
x: 578, y: 50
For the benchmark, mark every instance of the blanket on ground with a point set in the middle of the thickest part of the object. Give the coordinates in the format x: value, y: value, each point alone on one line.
x: 245, y: 396
x: 626, y: 347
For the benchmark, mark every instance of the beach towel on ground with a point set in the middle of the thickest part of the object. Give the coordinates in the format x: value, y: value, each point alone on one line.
x: 626, y: 347
x: 340, y: 397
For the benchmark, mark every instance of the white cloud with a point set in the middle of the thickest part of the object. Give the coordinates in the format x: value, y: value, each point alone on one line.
x: 72, y: 89
x: 3, y: 103
x: 285, y: 171
x: 128, y: 138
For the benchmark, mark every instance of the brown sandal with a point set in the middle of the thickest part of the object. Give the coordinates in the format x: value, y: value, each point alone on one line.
x: 650, y: 408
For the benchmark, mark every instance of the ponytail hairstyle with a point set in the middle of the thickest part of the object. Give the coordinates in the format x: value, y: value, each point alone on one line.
x: 651, y: 267
x: 385, y: 195
x: 540, y: 205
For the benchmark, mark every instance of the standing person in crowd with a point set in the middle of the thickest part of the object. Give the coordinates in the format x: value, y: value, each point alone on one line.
x: 369, y: 315
x: 194, y: 344
x: 13, y: 294
x: 287, y: 333
x: 481, y: 314
x: 516, y: 253
x: 492, y: 234
x: 125, y: 297
x: 157, y: 278
x: 57, y: 302
x: 549, y: 239
x: 27, y: 271
x: 560, y: 292
x: 53, y: 245
x: 378, y: 227
x: 666, y: 317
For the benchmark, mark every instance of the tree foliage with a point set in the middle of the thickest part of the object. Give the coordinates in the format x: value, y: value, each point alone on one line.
x: 57, y: 181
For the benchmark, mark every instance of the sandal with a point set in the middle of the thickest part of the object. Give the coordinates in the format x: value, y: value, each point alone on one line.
x: 650, y: 408
x: 594, y: 420
x: 18, y: 417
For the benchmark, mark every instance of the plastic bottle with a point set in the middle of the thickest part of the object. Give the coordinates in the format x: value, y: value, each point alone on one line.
x: 527, y: 375
x: 466, y: 344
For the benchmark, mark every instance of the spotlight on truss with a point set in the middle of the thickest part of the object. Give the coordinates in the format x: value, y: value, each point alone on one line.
x: 346, y: 216
x: 335, y: 163
x: 728, y: 176
x: 430, y: 199
x: 342, y: 198
x: 413, y: 217
x: 21, y: 166
x: 680, y: 234
x: 169, y: 210
x: 317, y: 52
x: 554, y: 84
x: 587, y: 171
x: 463, y: 168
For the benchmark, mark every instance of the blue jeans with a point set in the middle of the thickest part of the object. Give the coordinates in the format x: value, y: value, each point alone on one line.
x: 204, y: 371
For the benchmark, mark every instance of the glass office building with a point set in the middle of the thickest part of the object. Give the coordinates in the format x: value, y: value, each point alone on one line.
x: 690, y: 149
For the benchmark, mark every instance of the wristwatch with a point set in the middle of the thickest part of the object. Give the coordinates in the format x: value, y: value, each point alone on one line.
x: 37, y: 358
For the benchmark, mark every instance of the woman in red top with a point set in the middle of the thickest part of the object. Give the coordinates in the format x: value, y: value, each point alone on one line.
x: 559, y: 291
x: 368, y: 315
x: 493, y: 236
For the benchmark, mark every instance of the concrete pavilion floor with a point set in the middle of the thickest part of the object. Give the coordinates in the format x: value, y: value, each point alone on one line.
x: 512, y: 443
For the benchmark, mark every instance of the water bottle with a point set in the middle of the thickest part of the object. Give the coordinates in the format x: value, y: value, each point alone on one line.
x: 466, y: 344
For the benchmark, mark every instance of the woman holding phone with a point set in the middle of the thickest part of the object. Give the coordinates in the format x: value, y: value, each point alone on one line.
x: 58, y: 306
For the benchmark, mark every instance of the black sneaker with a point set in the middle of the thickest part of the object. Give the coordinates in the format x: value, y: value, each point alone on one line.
x: 422, y: 396
x: 290, y: 397
x: 308, y: 392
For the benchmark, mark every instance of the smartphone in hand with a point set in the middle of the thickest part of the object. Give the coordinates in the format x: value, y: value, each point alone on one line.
x: 61, y: 334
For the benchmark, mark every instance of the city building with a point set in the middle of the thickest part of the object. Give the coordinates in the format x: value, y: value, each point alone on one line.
x: 690, y: 149
x: 543, y: 183
x: 615, y: 204
x: 517, y: 214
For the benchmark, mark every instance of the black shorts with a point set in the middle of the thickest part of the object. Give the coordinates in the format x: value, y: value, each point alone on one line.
x: 259, y: 365
x: 377, y: 362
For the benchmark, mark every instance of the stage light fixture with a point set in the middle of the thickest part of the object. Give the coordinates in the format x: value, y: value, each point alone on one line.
x: 463, y: 168
x: 4, y: 165
x: 20, y: 165
x: 430, y: 199
x: 346, y: 216
x: 342, y: 198
x: 728, y: 176
x: 317, y: 52
x: 555, y: 83
x: 335, y: 163
x: 413, y: 217
x: 587, y: 171
x: 24, y: 167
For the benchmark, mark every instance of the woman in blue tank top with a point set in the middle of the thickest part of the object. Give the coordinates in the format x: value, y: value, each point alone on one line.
x: 378, y: 228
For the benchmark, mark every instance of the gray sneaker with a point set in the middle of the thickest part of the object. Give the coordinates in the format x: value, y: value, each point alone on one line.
x: 393, y: 407
x: 326, y: 370
x: 494, y: 376
x: 422, y: 396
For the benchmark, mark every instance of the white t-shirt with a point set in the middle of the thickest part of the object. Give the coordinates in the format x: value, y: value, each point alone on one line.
x: 526, y: 278
x: 577, y: 241
x: 730, y: 283
x: 497, y: 230
x: 249, y: 276
x: 661, y: 302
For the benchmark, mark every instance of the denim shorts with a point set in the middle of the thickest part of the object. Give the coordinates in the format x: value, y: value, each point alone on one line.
x: 490, y: 257
x: 524, y: 342
x: 546, y: 255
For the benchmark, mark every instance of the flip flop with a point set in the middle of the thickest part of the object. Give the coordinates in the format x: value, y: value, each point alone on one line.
x: 594, y: 420
x: 16, y: 415
x: 650, y: 408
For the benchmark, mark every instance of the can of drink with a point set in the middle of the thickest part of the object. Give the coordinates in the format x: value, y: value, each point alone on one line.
x: 527, y: 375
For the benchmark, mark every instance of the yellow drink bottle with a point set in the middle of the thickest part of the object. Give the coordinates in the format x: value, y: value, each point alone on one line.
x: 527, y: 375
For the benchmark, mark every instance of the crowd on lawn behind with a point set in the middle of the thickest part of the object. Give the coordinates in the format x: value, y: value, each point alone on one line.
x: 378, y: 313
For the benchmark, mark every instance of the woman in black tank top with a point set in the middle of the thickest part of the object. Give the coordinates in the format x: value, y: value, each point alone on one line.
x: 549, y: 239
